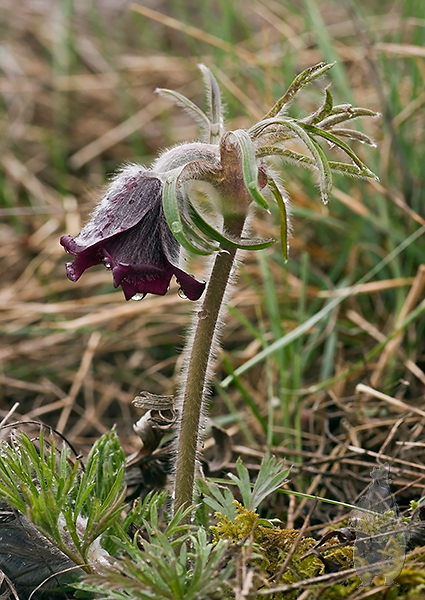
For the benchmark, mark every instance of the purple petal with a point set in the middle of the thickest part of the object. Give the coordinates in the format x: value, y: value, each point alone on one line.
x: 83, y: 261
x: 141, y: 280
x: 132, y: 194
x: 140, y: 265
x: 128, y: 232
x: 140, y: 246
x: 192, y: 288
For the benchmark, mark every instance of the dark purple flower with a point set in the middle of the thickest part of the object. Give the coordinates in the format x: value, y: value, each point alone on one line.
x: 128, y: 233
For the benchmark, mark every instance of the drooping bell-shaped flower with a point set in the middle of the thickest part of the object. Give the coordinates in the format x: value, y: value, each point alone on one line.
x: 128, y: 233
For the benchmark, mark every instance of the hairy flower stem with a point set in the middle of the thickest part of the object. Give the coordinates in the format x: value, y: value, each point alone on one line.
x: 196, y: 373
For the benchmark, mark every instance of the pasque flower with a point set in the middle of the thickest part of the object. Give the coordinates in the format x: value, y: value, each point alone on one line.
x: 148, y: 215
x: 128, y: 233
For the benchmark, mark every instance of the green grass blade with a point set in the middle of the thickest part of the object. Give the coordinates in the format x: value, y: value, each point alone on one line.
x: 304, y: 327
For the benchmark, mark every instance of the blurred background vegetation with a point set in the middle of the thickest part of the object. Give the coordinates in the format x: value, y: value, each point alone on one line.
x: 77, y: 81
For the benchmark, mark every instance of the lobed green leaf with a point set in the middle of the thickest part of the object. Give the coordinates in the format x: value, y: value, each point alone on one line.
x: 213, y: 96
x: 324, y: 110
x: 190, y: 106
x: 270, y: 478
x: 320, y: 160
x: 303, y: 79
x: 243, y: 482
x: 283, y: 213
x: 337, y: 142
x: 345, y: 112
x: 353, y: 134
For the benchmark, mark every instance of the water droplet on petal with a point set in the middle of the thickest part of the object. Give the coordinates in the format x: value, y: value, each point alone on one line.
x: 107, y: 263
x: 182, y: 294
x: 138, y: 297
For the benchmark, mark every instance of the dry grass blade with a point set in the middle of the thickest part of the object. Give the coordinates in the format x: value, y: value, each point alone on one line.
x: 194, y: 32
x: 402, y: 49
x: 416, y: 293
x: 115, y: 135
x: 393, y: 401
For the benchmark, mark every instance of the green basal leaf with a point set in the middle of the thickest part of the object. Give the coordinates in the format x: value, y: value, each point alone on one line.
x: 52, y: 491
x: 141, y: 508
x: 212, y: 233
x: 103, y: 490
x: 283, y: 213
x: 270, y: 478
x: 299, y: 82
x: 72, y: 529
x: 13, y: 498
x: 173, y: 217
x: 85, y: 489
x: 243, y: 482
x: 220, y: 499
x: 177, y: 523
x: 29, y: 458
x: 249, y: 167
x: 115, y: 490
x: 66, y: 483
x: 111, y: 463
x: 105, y: 515
x: 9, y: 487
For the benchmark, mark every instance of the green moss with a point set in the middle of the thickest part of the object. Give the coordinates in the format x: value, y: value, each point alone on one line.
x: 237, y: 530
x: 275, y: 545
x: 371, y: 524
x: 270, y: 547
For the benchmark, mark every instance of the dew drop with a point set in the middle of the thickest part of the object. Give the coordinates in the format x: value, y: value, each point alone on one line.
x: 182, y: 294
x: 203, y: 314
x: 107, y: 263
x: 138, y: 297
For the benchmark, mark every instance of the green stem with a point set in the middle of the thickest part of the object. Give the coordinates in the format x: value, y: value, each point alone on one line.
x: 196, y: 374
